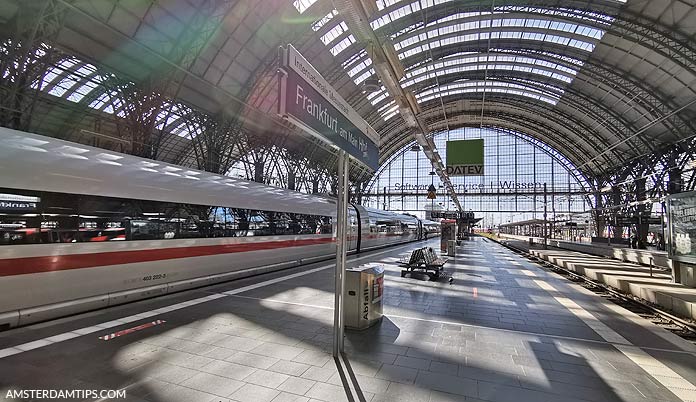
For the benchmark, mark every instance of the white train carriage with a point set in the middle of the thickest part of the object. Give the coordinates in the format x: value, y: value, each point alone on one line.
x: 379, y: 228
x: 430, y: 228
x: 84, y: 228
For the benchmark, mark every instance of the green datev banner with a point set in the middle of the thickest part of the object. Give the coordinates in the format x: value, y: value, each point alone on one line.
x: 465, y: 158
x: 682, y: 226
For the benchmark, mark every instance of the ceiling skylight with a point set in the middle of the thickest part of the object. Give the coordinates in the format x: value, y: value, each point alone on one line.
x: 303, y: 5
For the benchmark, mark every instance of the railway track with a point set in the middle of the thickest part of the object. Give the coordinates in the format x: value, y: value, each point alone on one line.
x: 682, y: 327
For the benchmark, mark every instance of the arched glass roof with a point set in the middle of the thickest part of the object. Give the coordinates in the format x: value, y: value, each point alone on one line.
x: 554, y: 56
x: 424, y: 37
x: 609, y: 82
x: 77, y: 81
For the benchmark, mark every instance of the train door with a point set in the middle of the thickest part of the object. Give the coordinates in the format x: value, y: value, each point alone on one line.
x: 358, y: 228
x: 353, y: 228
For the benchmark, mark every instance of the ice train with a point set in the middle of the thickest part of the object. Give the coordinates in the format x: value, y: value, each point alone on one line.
x: 83, y: 228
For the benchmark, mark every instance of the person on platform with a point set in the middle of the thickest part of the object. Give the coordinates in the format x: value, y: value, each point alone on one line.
x: 634, y: 240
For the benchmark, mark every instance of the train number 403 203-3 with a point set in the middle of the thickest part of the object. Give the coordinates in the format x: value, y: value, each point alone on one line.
x: 153, y: 277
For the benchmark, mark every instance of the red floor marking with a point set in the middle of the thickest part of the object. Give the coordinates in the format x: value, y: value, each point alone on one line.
x: 131, y: 330
x: 475, y: 293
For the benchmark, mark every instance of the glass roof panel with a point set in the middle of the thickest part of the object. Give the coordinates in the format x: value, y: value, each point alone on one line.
x: 104, y: 99
x: 391, y: 114
x: 320, y: 23
x: 57, y: 71
x: 493, y: 60
x: 362, y: 77
x: 334, y: 33
x: 421, y: 74
x: 82, y: 91
x: 360, y: 66
x: 187, y: 129
x: 87, y: 80
x: 411, y: 7
x: 303, y: 5
x: 489, y: 90
x: 342, y: 45
x: 386, y: 105
x: 460, y: 87
x: 483, y: 36
x: 504, y: 22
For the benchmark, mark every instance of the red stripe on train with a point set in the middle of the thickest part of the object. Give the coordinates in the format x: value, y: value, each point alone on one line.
x: 30, y: 265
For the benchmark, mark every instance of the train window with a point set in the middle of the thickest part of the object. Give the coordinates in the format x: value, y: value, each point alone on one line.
x: 101, y: 219
x: 20, y: 219
x: 62, y: 213
x: 44, y: 217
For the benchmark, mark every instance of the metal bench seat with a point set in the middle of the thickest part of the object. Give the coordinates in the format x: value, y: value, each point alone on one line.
x: 424, y: 259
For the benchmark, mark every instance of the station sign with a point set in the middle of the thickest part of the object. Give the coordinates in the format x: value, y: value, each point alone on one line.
x: 650, y: 220
x: 625, y: 220
x: 452, y: 215
x: 465, y: 158
x: 682, y: 226
x: 308, y: 101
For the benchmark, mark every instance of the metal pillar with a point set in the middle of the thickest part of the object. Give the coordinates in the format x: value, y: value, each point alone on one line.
x: 341, y: 246
x: 616, y: 201
x: 546, y: 222
x: 641, y: 228
x: 291, y: 180
x: 258, y: 172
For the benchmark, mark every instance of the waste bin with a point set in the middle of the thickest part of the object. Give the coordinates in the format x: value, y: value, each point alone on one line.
x: 363, y: 296
x: 451, y: 248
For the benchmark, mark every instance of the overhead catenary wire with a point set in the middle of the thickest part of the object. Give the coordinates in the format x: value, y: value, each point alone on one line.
x: 485, y: 71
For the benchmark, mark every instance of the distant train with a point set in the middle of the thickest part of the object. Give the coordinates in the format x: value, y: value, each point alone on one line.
x: 84, y: 228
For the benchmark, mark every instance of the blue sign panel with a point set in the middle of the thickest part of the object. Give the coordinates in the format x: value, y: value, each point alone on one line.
x: 309, y: 102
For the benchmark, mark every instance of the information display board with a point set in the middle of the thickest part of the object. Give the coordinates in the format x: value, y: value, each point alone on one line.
x: 452, y: 215
x: 682, y: 226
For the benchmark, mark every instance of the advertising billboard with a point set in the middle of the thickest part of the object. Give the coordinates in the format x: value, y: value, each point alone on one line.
x: 465, y: 158
x: 682, y: 226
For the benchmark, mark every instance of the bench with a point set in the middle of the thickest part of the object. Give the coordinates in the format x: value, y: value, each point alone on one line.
x: 431, y: 259
x: 424, y: 259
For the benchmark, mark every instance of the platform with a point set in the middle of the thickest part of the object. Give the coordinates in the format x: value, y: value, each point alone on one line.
x: 505, y: 330
x: 618, y: 252
x: 630, y: 278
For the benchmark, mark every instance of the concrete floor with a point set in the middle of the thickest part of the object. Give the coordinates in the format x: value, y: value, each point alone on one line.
x: 505, y: 330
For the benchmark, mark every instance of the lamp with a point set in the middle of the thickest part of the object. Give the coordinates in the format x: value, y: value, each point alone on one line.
x: 371, y: 85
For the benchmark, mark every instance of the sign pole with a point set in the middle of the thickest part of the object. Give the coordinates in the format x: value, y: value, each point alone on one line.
x: 341, y: 237
x: 309, y: 102
x: 546, y: 222
x: 344, y: 240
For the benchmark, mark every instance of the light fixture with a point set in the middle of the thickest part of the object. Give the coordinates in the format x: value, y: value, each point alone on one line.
x: 416, y: 148
x: 371, y: 85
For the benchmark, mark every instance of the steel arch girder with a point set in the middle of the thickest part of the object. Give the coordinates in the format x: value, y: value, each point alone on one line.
x: 625, y: 24
x: 523, y: 111
x: 587, y: 106
x: 549, y: 111
x: 628, y: 83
